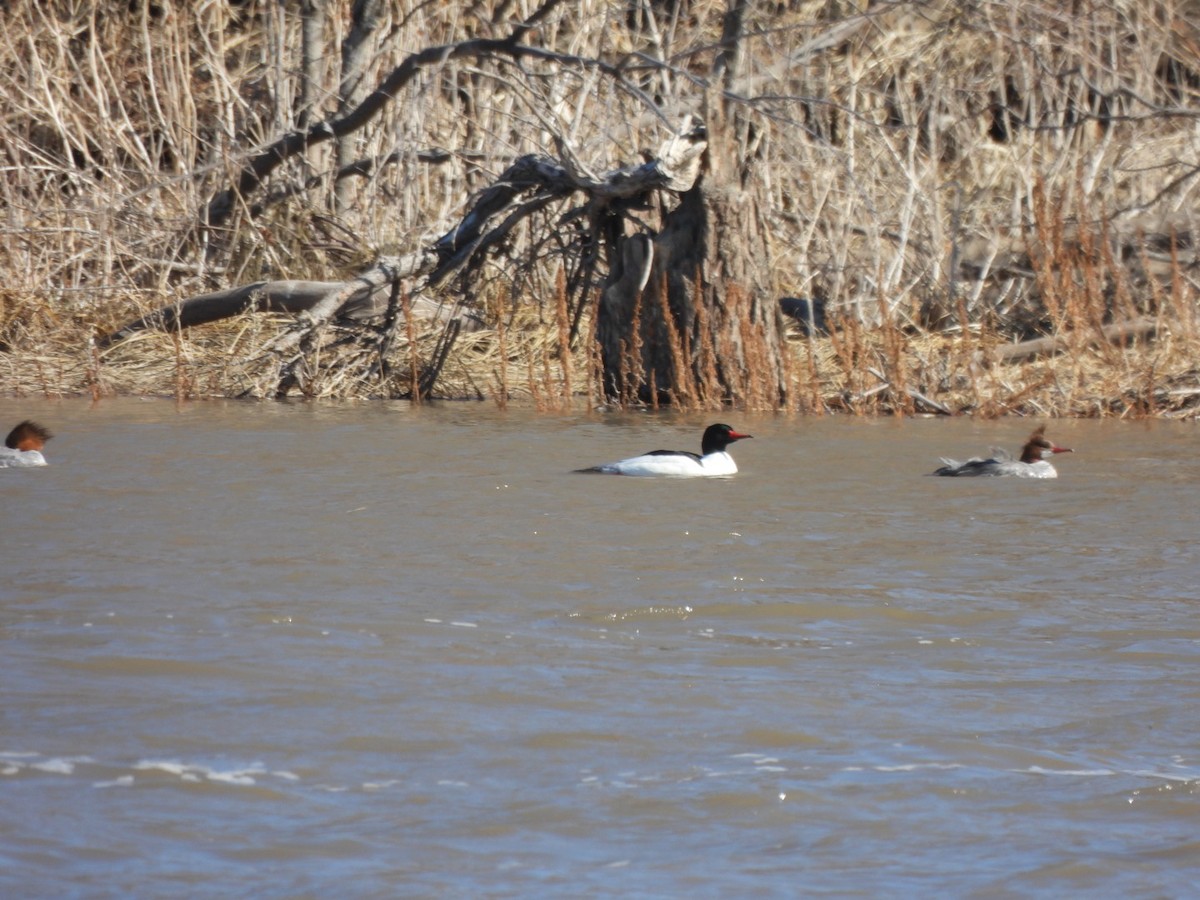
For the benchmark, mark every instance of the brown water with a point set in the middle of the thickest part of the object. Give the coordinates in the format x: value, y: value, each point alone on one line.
x: 277, y: 651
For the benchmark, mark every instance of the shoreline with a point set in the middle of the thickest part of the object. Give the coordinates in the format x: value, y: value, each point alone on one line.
x: 933, y: 374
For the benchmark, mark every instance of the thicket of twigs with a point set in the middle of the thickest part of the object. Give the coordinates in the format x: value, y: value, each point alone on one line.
x: 947, y: 177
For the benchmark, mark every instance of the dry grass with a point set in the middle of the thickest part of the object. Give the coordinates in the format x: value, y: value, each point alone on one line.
x: 949, y: 177
x: 855, y: 370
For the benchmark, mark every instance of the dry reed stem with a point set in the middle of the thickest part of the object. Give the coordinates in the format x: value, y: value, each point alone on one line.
x: 501, y: 392
x: 563, y: 317
x: 682, y: 389
x: 706, y: 354
x: 632, y: 372
x: 414, y: 354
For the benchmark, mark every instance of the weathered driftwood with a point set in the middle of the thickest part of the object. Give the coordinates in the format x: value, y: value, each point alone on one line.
x: 380, y: 276
x: 529, y: 185
x: 362, y: 298
x: 1046, y: 346
x: 540, y: 178
x: 261, y: 296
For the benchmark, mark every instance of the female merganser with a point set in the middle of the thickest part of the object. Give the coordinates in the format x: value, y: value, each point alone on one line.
x: 23, y: 446
x: 712, y: 461
x: 1032, y: 463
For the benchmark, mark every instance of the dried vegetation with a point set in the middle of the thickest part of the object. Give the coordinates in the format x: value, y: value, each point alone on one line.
x: 949, y: 179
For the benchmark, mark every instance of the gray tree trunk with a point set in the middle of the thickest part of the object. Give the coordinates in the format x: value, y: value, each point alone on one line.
x: 688, y: 316
x: 312, y: 42
x: 364, y: 19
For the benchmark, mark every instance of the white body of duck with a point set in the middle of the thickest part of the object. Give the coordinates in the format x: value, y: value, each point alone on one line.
x: 712, y: 461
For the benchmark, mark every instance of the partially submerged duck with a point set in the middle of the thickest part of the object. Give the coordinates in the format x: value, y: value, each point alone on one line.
x: 1032, y: 464
x: 24, y: 445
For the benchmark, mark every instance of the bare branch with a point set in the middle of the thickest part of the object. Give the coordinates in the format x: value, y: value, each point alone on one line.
x: 297, y: 142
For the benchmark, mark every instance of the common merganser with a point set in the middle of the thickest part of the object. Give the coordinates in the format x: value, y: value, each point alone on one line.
x: 1032, y: 464
x: 23, y: 446
x: 712, y: 460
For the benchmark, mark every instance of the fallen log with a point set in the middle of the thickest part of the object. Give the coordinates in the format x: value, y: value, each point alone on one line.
x: 1048, y: 346
x: 332, y: 303
x: 261, y: 296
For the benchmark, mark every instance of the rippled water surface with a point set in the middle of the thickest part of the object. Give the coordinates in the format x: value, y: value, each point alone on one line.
x: 279, y: 651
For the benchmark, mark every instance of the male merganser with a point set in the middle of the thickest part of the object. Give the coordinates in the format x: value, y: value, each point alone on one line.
x: 1032, y: 463
x: 23, y: 446
x: 712, y: 460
